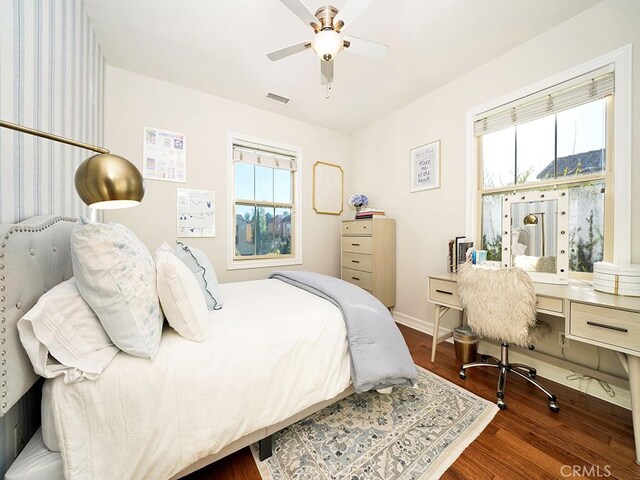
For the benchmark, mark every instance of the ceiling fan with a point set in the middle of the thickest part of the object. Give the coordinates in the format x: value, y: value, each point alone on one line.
x: 328, y: 24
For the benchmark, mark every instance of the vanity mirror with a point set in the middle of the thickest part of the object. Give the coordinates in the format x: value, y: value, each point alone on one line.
x: 535, y: 234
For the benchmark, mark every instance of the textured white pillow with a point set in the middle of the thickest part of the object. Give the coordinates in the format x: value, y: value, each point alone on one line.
x: 203, y: 270
x: 180, y: 296
x: 63, y: 336
x: 116, y: 276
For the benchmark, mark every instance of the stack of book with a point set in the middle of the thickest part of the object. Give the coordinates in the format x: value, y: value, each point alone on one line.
x: 367, y: 213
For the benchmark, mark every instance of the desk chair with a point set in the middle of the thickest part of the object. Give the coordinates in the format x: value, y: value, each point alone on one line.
x: 501, y: 304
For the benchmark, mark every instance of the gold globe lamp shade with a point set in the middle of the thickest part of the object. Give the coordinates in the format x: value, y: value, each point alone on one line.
x: 107, y: 181
x: 530, y: 219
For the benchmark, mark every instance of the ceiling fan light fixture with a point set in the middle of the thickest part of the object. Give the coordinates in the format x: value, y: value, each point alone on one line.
x: 327, y: 44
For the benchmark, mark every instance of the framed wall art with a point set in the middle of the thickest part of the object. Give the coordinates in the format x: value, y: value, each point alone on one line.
x: 164, y: 155
x: 196, y: 213
x: 425, y: 167
x: 328, y: 192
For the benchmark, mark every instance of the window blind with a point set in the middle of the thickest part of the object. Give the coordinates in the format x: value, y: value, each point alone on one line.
x: 264, y: 156
x: 579, y: 91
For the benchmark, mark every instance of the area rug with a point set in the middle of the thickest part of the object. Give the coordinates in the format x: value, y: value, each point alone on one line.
x: 413, y: 433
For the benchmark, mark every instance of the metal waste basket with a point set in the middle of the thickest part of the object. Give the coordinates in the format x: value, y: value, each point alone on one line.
x: 465, y: 343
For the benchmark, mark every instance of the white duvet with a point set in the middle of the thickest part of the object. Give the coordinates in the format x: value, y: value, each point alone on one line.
x: 273, y: 351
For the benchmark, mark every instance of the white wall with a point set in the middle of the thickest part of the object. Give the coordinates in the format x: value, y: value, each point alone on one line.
x: 133, y: 101
x: 428, y: 219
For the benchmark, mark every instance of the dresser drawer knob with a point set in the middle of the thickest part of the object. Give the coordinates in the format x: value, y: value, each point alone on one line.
x: 355, y: 261
x: 355, y: 278
x: 610, y: 327
x: 355, y: 244
x: 444, y: 291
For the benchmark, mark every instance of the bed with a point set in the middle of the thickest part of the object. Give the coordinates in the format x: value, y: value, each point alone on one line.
x: 288, y: 364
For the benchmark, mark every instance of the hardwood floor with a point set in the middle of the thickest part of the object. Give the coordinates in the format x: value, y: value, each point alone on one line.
x: 588, y: 438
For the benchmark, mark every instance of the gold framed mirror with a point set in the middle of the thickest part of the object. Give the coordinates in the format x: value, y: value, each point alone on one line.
x: 328, y: 188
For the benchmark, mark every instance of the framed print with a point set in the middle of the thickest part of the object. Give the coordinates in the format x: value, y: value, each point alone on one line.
x: 165, y: 155
x: 328, y: 193
x: 196, y: 213
x: 425, y: 167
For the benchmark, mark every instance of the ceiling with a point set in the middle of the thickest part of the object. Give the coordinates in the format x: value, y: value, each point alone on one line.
x: 220, y: 47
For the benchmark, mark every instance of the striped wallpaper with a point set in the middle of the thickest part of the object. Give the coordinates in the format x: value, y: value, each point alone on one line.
x: 51, y: 79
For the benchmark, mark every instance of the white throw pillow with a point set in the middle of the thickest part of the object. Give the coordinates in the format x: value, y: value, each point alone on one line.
x: 116, y: 276
x: 63, y: 336
x: 202, y: 269
x: 180, y: 296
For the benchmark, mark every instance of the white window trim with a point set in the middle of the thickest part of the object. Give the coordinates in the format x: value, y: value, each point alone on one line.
x: 621, y: 58
x: 232, y: 263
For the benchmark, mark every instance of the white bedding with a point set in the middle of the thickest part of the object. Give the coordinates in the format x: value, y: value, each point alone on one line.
x: 273, y: 351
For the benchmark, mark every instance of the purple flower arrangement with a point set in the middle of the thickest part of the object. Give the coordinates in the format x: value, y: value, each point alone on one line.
x: 358, y: 201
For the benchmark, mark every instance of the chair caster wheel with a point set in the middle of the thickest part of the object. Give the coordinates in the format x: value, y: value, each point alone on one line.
x: 553, y: 406
x: 532, y: 373
x: 501, y: 404
x: 463, y: 375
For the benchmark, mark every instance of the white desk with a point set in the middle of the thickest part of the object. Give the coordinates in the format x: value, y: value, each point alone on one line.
x: 602, y: 319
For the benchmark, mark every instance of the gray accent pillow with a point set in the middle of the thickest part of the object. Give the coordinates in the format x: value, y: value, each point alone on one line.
x: 202, y: 269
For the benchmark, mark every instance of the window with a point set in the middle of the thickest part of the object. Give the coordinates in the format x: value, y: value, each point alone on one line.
x: 265, y: 191
x: 555, y: 138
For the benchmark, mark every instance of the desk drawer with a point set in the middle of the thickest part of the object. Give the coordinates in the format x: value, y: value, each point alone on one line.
x: 357, y: 261
x: 609, y: 326
x: 442, y: 291
x: 357, y: 244
x: 361, y: 279
x: 357, y: 227
x: 549, y: 303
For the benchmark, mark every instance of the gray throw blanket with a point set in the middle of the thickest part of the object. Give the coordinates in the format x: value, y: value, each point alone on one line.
x: 379, y: 355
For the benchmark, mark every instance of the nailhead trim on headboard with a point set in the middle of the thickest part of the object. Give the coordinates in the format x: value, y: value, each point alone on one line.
x: 4, y: 388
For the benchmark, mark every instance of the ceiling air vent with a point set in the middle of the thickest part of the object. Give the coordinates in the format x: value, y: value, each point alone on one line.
x: 277, y: 98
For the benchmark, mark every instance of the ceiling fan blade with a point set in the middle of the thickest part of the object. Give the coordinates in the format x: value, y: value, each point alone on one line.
x: 290, y: 50
x: 326, y: 72
x: 302, y: 12
x: 366, y: 48
x: 351, y: 11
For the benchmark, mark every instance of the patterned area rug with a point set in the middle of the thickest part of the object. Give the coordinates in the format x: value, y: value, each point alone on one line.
x: 413, y: 433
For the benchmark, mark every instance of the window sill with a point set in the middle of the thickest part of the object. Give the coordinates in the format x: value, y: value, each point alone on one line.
x: 262, y: 263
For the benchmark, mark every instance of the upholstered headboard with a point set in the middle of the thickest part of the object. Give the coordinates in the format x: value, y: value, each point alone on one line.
x: 34, y: 257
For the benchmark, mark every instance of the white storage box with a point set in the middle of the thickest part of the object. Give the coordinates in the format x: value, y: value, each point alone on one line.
x: 619, y: 280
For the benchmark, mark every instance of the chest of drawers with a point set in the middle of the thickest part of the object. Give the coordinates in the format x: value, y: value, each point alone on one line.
x: 369, y: 257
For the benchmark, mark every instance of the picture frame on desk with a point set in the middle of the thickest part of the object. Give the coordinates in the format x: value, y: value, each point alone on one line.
x: 425, y: 167
x: 458, y: 252
x: 463, y: 246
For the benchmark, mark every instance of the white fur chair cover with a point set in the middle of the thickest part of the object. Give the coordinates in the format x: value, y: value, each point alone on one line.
x: 501, y: 304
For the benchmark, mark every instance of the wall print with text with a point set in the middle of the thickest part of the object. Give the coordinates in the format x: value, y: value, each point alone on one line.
x: 425, y: 167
